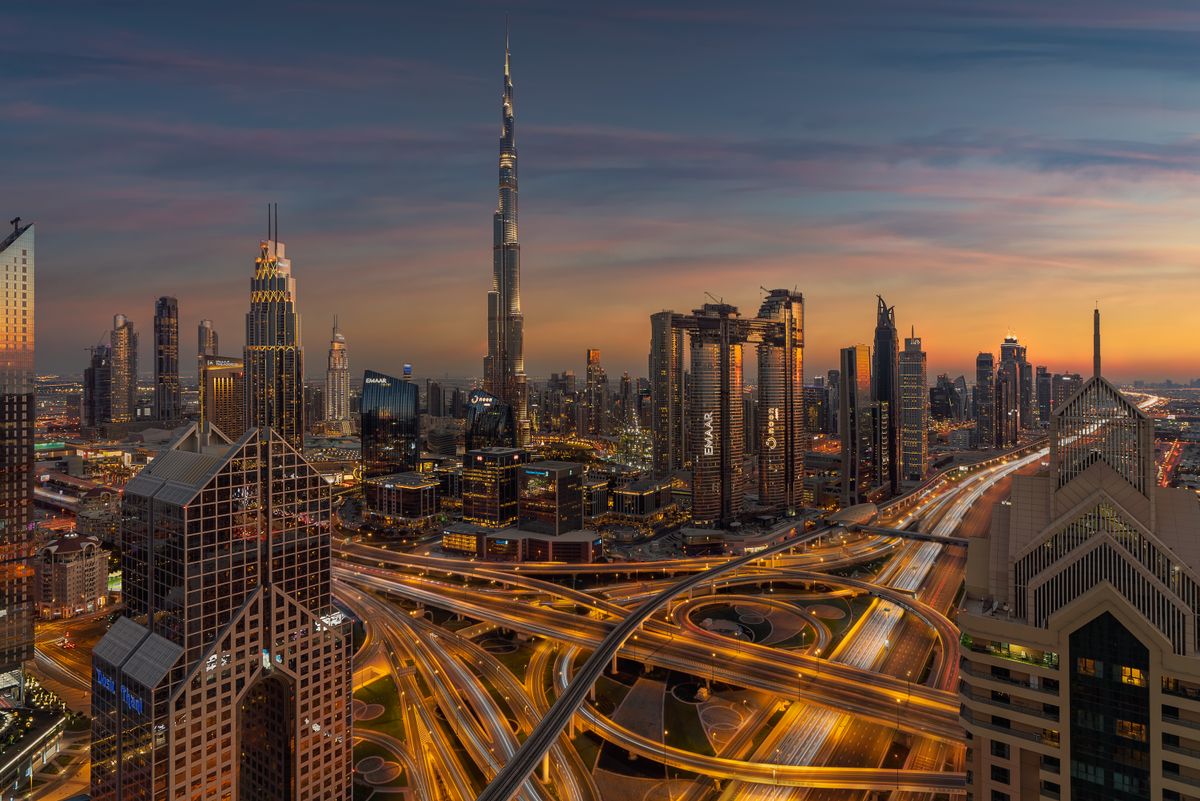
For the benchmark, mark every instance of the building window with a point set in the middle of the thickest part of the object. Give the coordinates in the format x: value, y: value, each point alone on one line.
x: 999, y: 796
x: 1000, y: 774
x: 1132, y: 675
x: 1088, y: 667
x: 1131, y: 730
x: 999, y: 749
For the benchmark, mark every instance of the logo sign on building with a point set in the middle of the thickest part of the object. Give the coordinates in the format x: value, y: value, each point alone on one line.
x: 105, y: 681
x: 772, y: 419
x: 371, y: 379
x: 709, y: 443
x: 132, y: 701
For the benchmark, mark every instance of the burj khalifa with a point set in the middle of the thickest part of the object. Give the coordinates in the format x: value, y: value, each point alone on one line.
x: 504, y: 366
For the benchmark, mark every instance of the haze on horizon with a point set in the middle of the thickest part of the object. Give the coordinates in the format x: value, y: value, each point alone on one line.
x: 987, y: 167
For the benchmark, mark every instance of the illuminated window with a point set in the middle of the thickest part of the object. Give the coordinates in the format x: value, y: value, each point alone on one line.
x: 1131, y: 730
x: 1087, y: 667
x: 1132, y: 675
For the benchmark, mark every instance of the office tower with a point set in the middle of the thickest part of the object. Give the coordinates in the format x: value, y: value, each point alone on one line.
x: 124, y: 344
x: 1008, y: 404
x: 558, y: 404
x: 337, y: 383
x: 946, y: 402
x: 885, y: 392
x: 491, y: 423
x: 206, y: 344
x: 914, y: 411
x: 223, y: 394
x: 229, y: 676
x: 781, y: 425
x: 715, y: 421
x: 550, y: 497
x: 1045, y: 395
x: 1063, y: 386
x: 95, y: 408
x: 1019, y: 408
x: 435, y: 399
x: 1080, y: 662
x: 167, y: 404
x: 596, y: 409
x: 833, y: 403
x: 985, y: 401
x: 390, y: 425
x: 458, y: 404
x: 855, y: 426
x: 17, y: 411
x: 668, y: 421
x: 504, y: 366
x: 490, y: 485
x: 815, y: 412
x: 628, y: 415
x: 274, y: 354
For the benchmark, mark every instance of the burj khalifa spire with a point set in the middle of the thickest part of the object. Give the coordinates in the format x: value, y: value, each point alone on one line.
x: 504, y: 366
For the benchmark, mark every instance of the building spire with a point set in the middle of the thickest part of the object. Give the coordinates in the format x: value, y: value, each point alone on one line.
x: 506, y: 45
x: 1096, y: 341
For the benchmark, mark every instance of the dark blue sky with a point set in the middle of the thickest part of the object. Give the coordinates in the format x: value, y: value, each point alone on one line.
x: 987, y: 166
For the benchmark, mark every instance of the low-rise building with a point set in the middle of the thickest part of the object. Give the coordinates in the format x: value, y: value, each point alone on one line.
x: 71, y: 576
x: 408, y: 500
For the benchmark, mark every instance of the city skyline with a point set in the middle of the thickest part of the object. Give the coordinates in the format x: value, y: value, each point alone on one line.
x: 954, y: 206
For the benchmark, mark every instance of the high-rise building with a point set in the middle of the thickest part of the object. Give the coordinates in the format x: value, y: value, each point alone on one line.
x: 504, y: 366
x: 855, y: 425
x: 1063, y: 386
x: 715, y: 416
x: 124, y: 344
x: 223, y: 394
x: 596, y: 408
x: 914, y: 411
x: 833, y: 403
x: 1045, y: 395
x: 1080, y: 665
x: 206, y: 343
x: 1019, y: 406
x: 885, y: 392
x: 435, y: 402
x: 391, y: 431
x: 95, y: 408
x: 274, y: 354
x: 781, y: 425
x: 167, y: 404
x: 628, y: 401
x: 337, y: 383
x: 668, y: 420
x: 491, y: 423
x: 985, y: 400
x: 491, y: 486
x: 1008, y: 403
x: 550, y: 497
x: 17, y: 411
x: 229, y: 676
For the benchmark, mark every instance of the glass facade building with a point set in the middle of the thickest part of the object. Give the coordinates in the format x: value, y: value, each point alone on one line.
x: 167, y: 403
x: 667, y: 419
x: 781, y: 420
x: 914, y: 411
x: 390, y: 425
x: 491, y: 423
x: 550, y: 497
x: 491, y: 482
x: 273, y: 353
x: 124, y: 345
x: 223, y: 394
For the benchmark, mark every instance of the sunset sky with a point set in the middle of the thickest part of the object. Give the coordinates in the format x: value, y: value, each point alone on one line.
x: 988, y: 167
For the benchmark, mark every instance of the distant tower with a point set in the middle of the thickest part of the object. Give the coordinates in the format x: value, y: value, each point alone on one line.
x: 17, y: 411
x: 855, y: 424
x: 124, y: 343
x: 167, y: 406
x: 274, y: 357
x: 781, y: 431
x: 985, y: 400
x: 667, y: 419
x: 504, y: 366
x: 885, y: 390
x: 914, y: 411
x: 597, y: 393
x: 95, y: 407
x: 337, y: 383
x: 206, y: 345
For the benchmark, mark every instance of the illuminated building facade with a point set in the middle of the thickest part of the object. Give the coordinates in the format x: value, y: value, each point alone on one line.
x: 167, y: 404
x: 390, y: 425
x: 273, y: 354
x: 1080, y: 656
x: 124, y: 346
x: 223, y: 394
x: 914, y: 411
x: 985, y: 400
x: 596, y: 407
x: 668, y: 421
x: 491, y: 482
x: 855, y: 425
x: 405, y: 499
x: 17, y: 410
x: 337, y: 383
x: 491, y: 423
x: 885, y: 392
x: 504, y: 365
x: 229, y: 675
x: 550, y: 497
x: 781, y: 424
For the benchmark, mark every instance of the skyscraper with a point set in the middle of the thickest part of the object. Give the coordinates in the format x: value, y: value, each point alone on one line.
x: 124, y: 344
x: 223, y: 394
x: 274, y: 355
x: 985, y: 401
x: 855, y: 425
x: 206, y: 344
x: 337, y: 383
x: 715, y: 415
x: 1045, y: 394
x: 597, y: 394
x: 781, y: 423
x: 914, y: 411
x: 167, y: 406
x: 885, y: 391
x: 229, y: 676
x: 390, y: 425
x: 667, y: 393
x: 1080, y: 665
x: 95, y: 408
x: 16, y: 451
x: 504, y: 366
